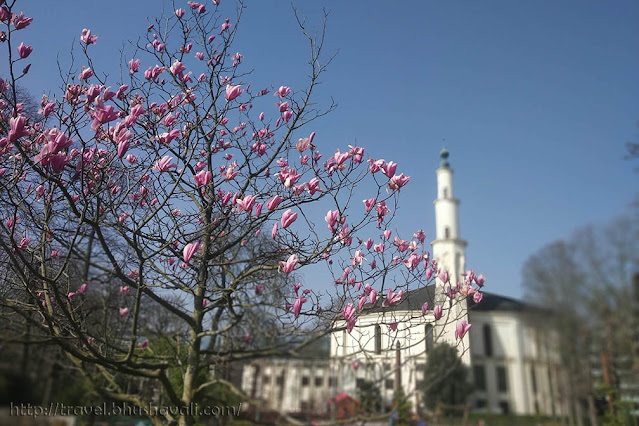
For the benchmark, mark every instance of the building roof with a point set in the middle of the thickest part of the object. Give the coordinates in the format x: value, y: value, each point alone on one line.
x: 496, y: 302
x: 414, y: 299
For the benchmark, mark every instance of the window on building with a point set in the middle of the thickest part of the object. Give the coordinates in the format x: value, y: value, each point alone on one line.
x: 279, y: 380
x: 488, y: 340
x: 479, y: 374
x: 332, y: 381
x: 305, y: 380
x: 319, y: 381
x: 429, y: 337
x: 378, y: 339
x: 359, y: 383
x: 447, y: 232
x: 445, y: 192
x: 480, y: 404
x: 502, y: 379
x: 344, y: 337
x: 533, y: 379
x: 389, y: 383
x: 266, y: 379
x: 505, y: 407
x: 305, y: 406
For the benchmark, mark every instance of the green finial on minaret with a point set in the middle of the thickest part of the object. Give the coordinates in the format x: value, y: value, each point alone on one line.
x: 444, y: 156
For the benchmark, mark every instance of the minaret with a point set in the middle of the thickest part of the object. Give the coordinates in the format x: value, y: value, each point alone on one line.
x: 449, y: 250
x: 448, y: 247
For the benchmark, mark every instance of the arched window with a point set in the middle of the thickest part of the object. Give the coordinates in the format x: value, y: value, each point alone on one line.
x: 447, y: 232
x: 429, y: 339
x: 488, y: 340
x: 378, y: 339
x: 445, y: 192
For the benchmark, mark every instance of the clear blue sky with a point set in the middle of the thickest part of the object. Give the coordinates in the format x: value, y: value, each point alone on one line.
x: 535, y: 99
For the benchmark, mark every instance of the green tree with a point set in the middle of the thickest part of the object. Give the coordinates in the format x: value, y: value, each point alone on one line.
x: 402, y: 409
x: 369, y: 396
x: 445, y: 378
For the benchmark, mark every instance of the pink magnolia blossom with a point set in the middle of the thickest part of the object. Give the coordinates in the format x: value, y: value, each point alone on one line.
x: 246, y: 204
x: 478, y: 296
x: 200, y: 7
x: 369, y: 204
x: 124, y: 289
x: 349, y: 316
x: 302, y: 144
x: 180, y: 12
x: 372, y: 297
x: 203, y: 178
x: 17, y: 128
x: 297, y: 306
x: 461, y: 329
x: 358, y: 258
x: 398, y: 182
x: 232, y: 92
x: 134, y: 66
x: 82, y: 288
x: 389, y: 169
x: 288, y: 266
x: 413, y: 261
x: 163, y: 164
x: 393, y: 298
x: 429, y: 273
x: 480, y: 280
x: 355, y: 364
x: 356, y: 153
x: 124, y: 311
x: 20, y: 21
x: 283, y: 91
x: 189, y: 250
x: 103, y: 114
x: 437, y: 312
x: 393, y: 325
x: 331, y: 217
x: 288, y: 217
x: 375, y: 166
x: 123, y: 147
x: 177, y: 68
x: 87, y: 37
x: 313, y: 186
x: 144, y: 344
x: 362, y: 301
x: 424, y: 308
x: 24, y: 50
x: 85, y: 74
x: 24, y: 242
x: 274, y: 230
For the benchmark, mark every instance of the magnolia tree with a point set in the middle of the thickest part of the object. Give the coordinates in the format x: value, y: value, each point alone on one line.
x: 155, y: 227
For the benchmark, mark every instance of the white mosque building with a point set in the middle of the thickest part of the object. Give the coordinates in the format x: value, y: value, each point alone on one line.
x: 513, y: 359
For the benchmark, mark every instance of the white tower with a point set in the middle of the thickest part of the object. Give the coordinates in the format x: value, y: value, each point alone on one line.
x: 450, y: 252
